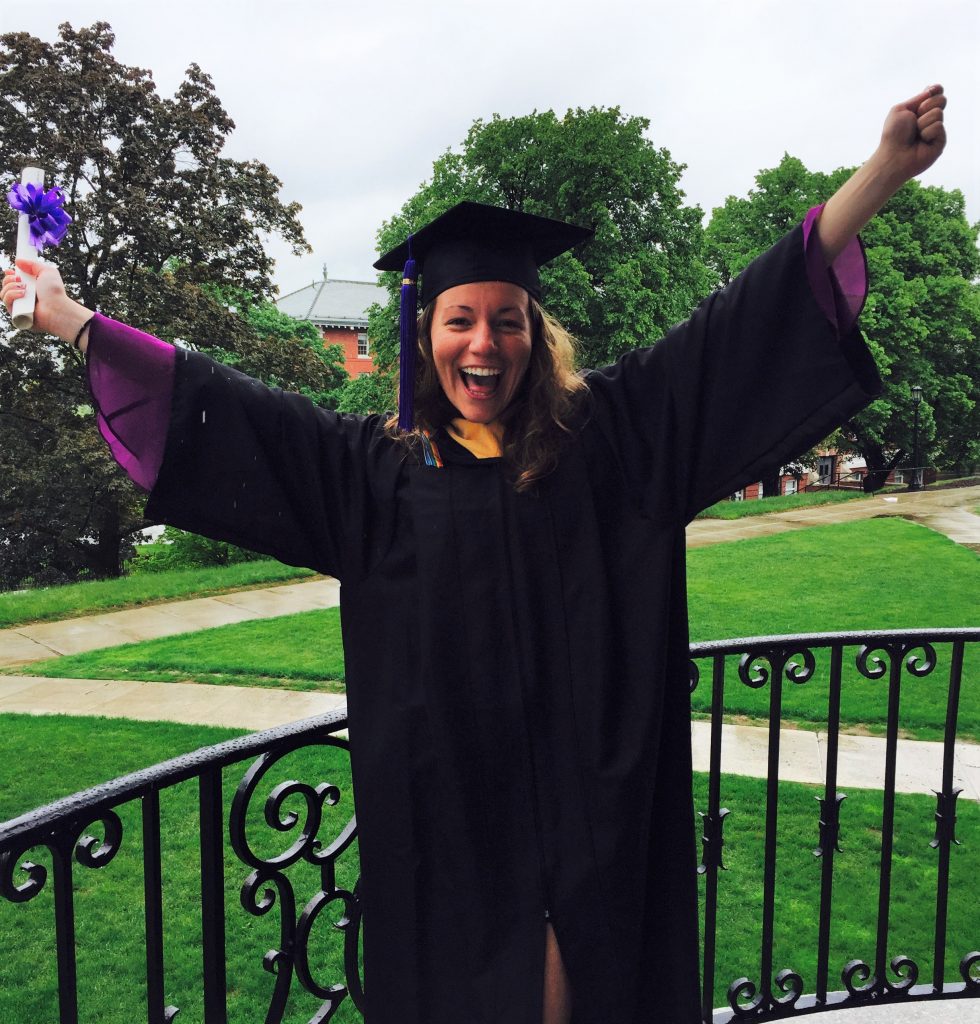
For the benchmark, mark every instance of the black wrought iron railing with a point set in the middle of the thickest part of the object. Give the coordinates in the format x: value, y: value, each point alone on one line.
x: 287, y: 850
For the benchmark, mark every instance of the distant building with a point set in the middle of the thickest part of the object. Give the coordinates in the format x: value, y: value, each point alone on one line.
x: 339, y: 310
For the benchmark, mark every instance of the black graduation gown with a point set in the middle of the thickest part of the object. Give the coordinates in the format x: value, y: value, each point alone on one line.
x: 517, y: 663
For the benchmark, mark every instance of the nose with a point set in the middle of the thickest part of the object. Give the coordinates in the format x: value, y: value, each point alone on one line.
x: 482, y: 338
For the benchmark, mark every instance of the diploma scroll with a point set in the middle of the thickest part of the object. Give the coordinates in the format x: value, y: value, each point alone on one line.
x: 22, y: 311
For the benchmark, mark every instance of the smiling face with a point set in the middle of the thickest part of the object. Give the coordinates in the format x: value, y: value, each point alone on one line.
x: 481, y: 346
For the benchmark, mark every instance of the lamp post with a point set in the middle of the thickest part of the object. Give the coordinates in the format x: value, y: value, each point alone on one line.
x: 915, y: 484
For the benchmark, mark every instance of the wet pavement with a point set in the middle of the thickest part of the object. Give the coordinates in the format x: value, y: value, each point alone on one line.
x: 21, y: 645
x: 949, y: 511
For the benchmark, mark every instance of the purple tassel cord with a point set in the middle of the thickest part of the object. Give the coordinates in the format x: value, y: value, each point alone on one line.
x: 46, y: 217
x: 408, y: 343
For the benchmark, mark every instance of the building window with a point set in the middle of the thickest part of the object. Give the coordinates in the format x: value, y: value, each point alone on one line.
x: 790, y: 486
x: 363, y: 350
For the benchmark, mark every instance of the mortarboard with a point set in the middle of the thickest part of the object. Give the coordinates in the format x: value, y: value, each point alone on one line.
x: 470, y: 242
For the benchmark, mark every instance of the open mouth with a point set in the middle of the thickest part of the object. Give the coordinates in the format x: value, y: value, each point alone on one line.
x: 480, y: 381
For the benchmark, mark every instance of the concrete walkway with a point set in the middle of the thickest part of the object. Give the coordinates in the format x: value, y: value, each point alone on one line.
x: 948, y: 511
x: 21, y: 645
x: 237, y: 707
x: 948, y: 1011
x: 745, y: 749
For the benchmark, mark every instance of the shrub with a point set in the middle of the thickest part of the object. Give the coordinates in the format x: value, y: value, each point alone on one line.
x: 176, y: 549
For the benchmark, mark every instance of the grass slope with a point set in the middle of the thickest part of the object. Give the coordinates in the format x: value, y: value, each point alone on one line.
x: 874, y: 574
x: 108, y: 902
x: 779, y: 503
x: 297, y: 652
x: 52, y: 603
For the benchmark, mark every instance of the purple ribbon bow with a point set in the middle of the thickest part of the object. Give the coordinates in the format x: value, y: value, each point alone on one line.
x: 46, y: 217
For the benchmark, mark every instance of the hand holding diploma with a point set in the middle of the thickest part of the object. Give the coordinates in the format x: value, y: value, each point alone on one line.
x: 42, y: 221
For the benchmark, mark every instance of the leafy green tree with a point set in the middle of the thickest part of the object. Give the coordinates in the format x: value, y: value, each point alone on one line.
x: 370, y: 392
x: 922, y: 317
x: 281, y: 350
x: 640, y: 274
x: 163, y: 222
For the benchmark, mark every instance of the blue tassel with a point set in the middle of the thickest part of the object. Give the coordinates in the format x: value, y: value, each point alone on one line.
x: 408, y: 344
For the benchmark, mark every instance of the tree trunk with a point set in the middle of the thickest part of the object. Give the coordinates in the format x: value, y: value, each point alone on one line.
x: 103, y: 558
x: 879, y: 467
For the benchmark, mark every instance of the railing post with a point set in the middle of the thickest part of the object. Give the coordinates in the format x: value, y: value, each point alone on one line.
x: 946, y: 816
x: 64, y: 920
x: 896, y: 654
x: 156, y: 1012
x: 829, y: 823
x: 213, y: 898
x: 712, y: 842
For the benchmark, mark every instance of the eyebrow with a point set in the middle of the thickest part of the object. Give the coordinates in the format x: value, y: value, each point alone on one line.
x: 505, y: 309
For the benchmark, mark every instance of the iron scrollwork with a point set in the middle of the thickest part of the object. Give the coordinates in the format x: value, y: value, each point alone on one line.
x: 37, y: 876
x: 268, y: 884
x: 89, y: 851
x: 693, y: 675
x: 970, y: 971
x: 753, y: 674
x: 747, y: 1002
x: 872, y: 665
x: 863, y: 984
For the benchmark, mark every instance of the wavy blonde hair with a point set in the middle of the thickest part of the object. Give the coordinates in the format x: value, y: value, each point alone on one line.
x: 538, y: 420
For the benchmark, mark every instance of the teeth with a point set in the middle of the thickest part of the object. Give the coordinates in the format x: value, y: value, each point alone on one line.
x: 481, y: 371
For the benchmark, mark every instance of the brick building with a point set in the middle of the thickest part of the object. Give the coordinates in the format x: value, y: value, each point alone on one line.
x: 339, y: 310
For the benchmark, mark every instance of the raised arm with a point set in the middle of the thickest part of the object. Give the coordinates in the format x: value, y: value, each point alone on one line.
x: 911, y: 141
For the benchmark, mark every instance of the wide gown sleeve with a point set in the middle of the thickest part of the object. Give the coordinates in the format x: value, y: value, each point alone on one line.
x: 754, y: 378
x: 131, y: 377
x: 270, y: 471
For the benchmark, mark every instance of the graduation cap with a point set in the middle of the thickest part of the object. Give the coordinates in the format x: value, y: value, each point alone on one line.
x: 470, y: 242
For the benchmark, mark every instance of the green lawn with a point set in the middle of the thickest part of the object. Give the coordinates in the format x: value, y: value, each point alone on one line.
x: 51, y: 603
x: 109, y: 901
x: 780, y: 503
x: 883, y: 573
x: 298, y: 652
x: 874, y: 574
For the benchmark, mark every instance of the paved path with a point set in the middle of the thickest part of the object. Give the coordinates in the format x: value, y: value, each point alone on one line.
x: 238, y: 707
x: 947, y: 511
x: 949, y: 1011
x: 21, y: 645
x: 861, y: 761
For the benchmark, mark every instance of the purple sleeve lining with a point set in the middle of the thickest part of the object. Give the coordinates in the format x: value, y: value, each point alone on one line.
x: 131, y: 377
x: 841, y: 288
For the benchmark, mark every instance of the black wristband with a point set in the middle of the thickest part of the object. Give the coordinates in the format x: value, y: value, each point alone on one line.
x: 81, y: 330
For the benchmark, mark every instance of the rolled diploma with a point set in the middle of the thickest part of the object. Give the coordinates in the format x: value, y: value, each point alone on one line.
x: 22, y: 311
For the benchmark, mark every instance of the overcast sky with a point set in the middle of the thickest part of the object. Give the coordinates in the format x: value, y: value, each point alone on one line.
x: 349, y: 103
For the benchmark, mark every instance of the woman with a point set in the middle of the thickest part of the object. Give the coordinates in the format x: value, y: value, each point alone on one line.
x: 514, y: 612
